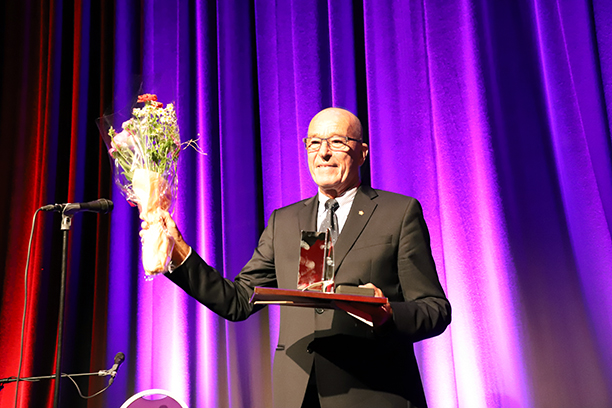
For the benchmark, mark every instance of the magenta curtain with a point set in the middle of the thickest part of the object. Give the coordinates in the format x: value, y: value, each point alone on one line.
x: 495, y: 115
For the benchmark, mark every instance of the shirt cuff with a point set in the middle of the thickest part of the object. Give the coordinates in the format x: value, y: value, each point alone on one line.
x: 172, y: 266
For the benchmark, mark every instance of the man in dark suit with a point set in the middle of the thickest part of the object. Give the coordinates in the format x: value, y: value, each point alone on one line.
x: 328, y: 358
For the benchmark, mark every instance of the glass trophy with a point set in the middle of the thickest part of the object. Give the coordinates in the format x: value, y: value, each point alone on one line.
x: 316, y: 272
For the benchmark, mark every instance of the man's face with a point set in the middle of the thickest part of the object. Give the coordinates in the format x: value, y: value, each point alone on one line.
x: 335, y: 172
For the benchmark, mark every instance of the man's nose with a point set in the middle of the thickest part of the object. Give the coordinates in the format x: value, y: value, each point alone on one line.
x: 324, y: 150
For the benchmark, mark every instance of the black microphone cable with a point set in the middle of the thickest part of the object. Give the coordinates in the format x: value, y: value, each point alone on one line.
x: 79, y: 389
x: 25, y: 305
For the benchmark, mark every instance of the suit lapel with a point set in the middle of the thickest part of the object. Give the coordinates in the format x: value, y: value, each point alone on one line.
x: 362, y: 209
x: 307, y: 215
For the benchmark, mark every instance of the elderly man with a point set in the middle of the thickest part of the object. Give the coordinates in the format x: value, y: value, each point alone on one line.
x: 328, y: 358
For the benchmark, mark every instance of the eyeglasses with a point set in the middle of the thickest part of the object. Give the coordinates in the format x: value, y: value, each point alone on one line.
x: 335, y: 143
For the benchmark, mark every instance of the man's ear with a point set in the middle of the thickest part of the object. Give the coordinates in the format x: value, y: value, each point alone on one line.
x: 364, y: 153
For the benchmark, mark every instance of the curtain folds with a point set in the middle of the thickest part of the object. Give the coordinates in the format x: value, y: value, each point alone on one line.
x: 495, y: 115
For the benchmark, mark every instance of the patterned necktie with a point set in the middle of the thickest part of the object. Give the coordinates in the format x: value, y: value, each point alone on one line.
x: 331, y: 220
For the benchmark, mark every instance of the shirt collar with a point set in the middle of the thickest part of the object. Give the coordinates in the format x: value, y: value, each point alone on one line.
x: 344, y: 199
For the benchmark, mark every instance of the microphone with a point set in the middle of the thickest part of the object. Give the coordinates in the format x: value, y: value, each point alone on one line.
x: 101, y: 205
x: 113, y: 371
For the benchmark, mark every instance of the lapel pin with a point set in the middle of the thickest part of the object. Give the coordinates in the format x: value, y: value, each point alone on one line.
x: 360, y: 212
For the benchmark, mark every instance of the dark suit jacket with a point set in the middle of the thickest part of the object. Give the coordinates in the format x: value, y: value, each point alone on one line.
x: 384, y: 241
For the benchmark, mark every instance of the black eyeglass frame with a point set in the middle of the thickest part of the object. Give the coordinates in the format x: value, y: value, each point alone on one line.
x: 346, y: 140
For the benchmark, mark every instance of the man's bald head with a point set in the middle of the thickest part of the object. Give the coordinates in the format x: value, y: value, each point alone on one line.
x: 354, y: 129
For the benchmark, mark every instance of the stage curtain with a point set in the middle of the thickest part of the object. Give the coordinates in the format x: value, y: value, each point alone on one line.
x: 495, y: 115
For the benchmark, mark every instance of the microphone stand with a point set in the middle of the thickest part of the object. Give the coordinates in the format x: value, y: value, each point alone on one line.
x: 65, y: 227
x: 101, y: 373
x: 68, y: 210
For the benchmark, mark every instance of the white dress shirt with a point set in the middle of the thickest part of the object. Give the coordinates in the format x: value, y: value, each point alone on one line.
x: 344, y: 202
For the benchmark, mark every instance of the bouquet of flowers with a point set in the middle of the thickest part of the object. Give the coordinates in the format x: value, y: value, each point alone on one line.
x: 145, y: 155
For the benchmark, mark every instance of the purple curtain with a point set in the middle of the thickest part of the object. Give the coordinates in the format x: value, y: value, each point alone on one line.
x: 495, y: 115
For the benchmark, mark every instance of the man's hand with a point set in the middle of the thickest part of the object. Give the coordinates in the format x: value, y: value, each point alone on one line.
x: 181, y: 248
x: 378, y: 315
x: 381, y: 314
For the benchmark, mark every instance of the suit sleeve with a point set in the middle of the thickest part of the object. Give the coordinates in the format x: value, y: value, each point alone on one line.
x: 425, y: 311
x: 229, y: 299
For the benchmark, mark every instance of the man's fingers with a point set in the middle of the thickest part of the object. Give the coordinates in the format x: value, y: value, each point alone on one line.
x: 166, y: 221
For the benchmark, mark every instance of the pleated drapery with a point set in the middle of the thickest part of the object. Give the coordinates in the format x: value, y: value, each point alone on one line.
x: 495, y: 115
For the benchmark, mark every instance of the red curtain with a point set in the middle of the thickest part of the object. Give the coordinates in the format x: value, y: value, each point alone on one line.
x: 56, y: 75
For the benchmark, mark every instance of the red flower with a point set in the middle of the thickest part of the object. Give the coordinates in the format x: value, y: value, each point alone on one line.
x: 157, y: 104
x: 147, y: 97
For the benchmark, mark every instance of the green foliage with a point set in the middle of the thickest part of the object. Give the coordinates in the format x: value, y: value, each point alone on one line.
x: 149, y: 140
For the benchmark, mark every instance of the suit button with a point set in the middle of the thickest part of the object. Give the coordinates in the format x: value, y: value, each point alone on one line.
x: 319, y: 310
x: 309, y: 350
